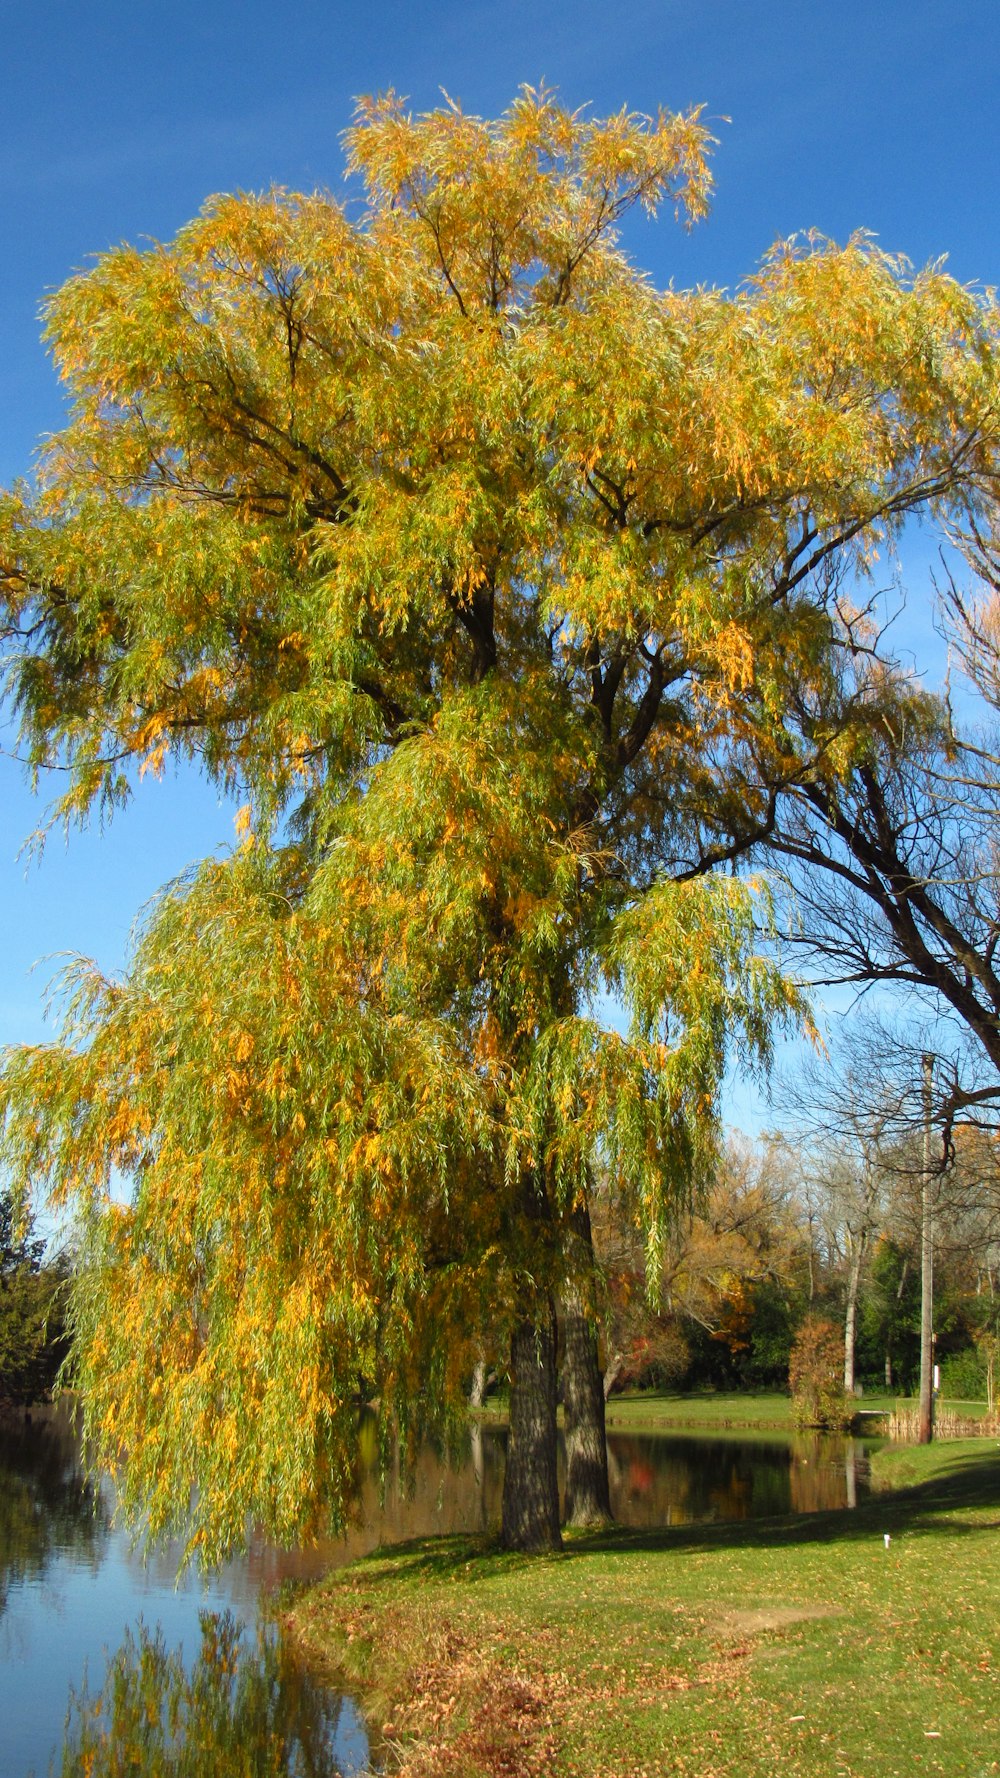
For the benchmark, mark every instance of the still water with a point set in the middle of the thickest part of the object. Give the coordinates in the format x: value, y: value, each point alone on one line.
x: 73, y: 1594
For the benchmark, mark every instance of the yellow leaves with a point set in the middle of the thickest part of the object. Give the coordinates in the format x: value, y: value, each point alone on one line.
x: 491, y: 616
x: 465, y: 443
x: 126, y: 1125
x: 541, y: 184
x: 154, y: 760
x: 733, y: 649
x: 152, y: 740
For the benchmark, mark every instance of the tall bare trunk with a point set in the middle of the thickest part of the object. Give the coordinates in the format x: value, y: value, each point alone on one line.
x: 851, y: 1312
x: 530, y: 1511
x: 478, y: 1390
x: 812, y: 1265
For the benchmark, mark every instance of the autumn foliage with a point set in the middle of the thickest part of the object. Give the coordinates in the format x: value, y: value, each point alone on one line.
x: 474, y: 561
x: 816, y: 1375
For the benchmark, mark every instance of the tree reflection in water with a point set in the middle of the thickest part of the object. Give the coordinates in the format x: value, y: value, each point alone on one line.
x: 46, y: 1507
x: 685, y: 1479
x: 242, y: 1706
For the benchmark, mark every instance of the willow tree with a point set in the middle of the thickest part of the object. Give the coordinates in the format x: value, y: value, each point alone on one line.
x: 470, y: 556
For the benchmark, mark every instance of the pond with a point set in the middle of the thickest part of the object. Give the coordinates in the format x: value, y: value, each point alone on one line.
x: 72, y: 1590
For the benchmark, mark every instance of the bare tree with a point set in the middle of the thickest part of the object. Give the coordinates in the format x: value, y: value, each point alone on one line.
x: 879, y: 803
x: 852, y: 1111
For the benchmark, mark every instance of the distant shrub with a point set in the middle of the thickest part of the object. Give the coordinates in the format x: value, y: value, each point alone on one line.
x: 816, y: 1376
x: 963, y: 1376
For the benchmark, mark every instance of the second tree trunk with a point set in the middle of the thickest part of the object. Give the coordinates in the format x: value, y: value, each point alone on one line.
x: 588, y: 1499
x: 530, y: 1512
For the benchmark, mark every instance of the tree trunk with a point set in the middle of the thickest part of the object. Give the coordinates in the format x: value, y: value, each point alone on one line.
x: 478, y: 1389
x: 613, y: 1370
x: 478, y: 1470
x: 588, y: 1497
x: 812, y: 1271
x: 851, y: 1312
x: 904, y: 1273
x: 530, y: 1512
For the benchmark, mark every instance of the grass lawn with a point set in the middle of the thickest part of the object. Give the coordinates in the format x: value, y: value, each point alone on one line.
x: 649, y: 1411
x: 794, y: 1646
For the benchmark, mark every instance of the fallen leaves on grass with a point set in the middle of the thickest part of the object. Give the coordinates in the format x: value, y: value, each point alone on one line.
x: 466, y: 1712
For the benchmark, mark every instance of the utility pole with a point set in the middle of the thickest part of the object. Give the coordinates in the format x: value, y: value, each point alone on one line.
x: 926, y: 1426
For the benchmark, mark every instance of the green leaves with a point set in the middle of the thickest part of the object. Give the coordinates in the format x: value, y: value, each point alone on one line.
x: 321, y: 474
x: 497, y: 582
x: 32, y: 1343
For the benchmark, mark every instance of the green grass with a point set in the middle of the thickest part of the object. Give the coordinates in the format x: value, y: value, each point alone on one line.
x: 651, y: 1410
x: 800, y: 1646
x: 938, y: 1470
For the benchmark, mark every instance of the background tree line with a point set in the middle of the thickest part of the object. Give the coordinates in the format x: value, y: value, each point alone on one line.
x: 787, y: 1232
x: 33, y: 1287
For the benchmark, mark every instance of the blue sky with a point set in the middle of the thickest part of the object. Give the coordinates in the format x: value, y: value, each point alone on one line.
x: 119, y: 120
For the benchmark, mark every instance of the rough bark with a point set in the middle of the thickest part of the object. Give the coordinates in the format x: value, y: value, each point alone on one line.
x: 588, y: 1497
x: 530, y: 1511
x: 588, y: 1500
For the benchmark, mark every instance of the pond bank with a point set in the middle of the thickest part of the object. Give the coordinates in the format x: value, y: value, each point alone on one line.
x: 72, y: 1591
x: 651, y: 1411
x: 804, y: 1645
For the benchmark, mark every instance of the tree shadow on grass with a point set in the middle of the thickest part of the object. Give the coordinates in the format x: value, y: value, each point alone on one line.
x: 968, y: 1480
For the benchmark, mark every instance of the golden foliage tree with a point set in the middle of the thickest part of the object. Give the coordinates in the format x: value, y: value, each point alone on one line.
x: 815, y: 1375
x: 468, y: 554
